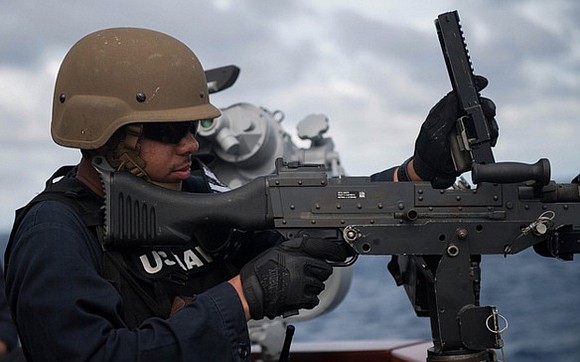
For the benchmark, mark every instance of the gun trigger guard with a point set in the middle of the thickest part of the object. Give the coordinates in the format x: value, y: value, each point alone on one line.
x: 348, y: 262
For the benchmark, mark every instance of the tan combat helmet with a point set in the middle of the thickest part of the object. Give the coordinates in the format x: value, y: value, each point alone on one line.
x: 119, y: 76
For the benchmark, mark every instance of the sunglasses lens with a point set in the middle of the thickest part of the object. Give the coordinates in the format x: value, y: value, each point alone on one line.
x: 169, y: 132
x: 194, y: 127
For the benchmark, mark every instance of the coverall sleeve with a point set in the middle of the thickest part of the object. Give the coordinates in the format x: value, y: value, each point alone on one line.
x: 386, y: 175
x: 66, y: 311
x: 7, y: 328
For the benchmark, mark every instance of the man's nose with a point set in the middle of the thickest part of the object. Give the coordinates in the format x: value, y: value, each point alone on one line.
x: 188, y: 144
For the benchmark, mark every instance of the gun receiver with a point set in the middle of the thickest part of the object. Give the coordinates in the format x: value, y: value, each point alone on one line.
x: 442, y: 232
x: 381, y: 218
x: 471, y: 143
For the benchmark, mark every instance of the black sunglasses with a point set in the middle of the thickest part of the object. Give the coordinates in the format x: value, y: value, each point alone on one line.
x: 169, y: 132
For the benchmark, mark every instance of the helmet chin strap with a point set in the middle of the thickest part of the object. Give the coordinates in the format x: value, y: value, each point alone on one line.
x: 125, y: 157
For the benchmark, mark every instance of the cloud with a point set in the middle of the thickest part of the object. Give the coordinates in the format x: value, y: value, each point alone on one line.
x: 374, y: 68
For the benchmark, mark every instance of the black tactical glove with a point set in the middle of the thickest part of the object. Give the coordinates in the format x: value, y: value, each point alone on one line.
x: 432, y: 159
x: 290, y: 276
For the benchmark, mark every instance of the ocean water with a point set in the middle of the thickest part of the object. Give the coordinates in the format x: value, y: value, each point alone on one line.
x: 540, y: 298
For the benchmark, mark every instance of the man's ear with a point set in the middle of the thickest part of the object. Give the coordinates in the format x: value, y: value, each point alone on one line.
x: 111, y: 144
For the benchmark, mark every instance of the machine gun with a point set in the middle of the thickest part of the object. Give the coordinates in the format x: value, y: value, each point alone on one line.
x: 445, y: 231
x: 437, y: 237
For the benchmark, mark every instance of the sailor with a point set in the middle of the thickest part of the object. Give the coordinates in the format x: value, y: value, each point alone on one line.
x: 134, y: 98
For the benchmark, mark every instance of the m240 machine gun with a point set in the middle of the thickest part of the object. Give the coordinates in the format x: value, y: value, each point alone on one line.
x: 443, y: 231
x: 437, y: 237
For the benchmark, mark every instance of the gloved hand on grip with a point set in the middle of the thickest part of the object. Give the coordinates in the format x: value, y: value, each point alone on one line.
x: 290, y: 276
x: 432, y: 158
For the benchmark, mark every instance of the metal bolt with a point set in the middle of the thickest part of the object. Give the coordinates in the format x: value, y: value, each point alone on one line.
x: 461, y: 233
x: 141, y: 97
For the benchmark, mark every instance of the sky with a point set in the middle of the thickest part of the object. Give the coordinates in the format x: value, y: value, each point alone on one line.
x: 374, y: 68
